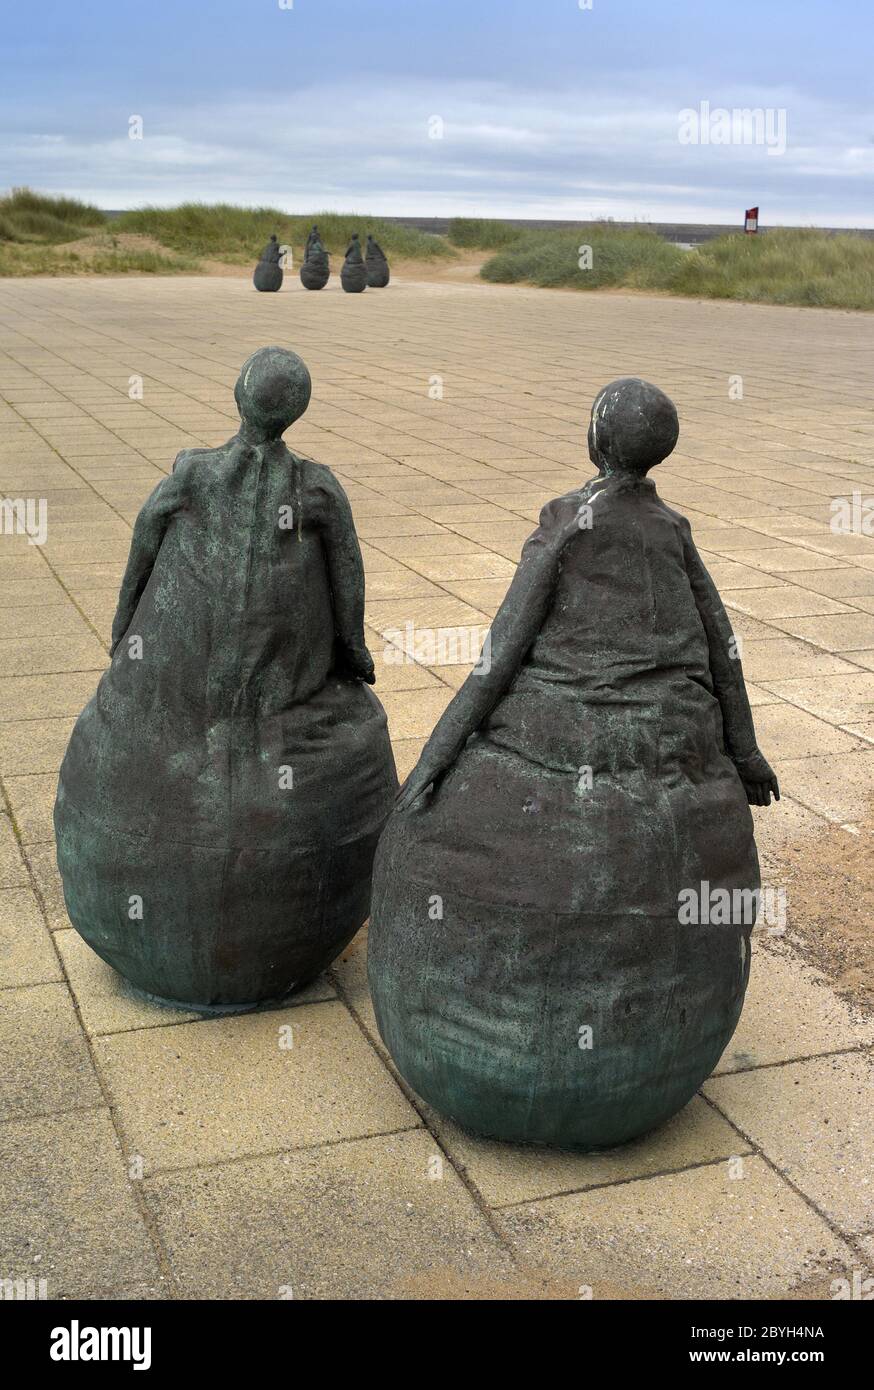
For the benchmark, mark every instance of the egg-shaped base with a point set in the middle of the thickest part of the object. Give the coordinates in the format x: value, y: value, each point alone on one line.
x: 314, y: 276
x: 377, y: 275
x: 211, y: 929
x: 573, y: 1030
x: 268, y: 276
x: 353, y: 278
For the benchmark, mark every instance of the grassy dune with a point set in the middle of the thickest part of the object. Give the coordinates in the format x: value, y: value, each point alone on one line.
x: 782, y: 267
x: 27, y: 217
x: 222, y: 232
x: 41, y: 235
x: 804, y: 267
x: 482, y: 233
x: 637, y: 259
x: 102, y: 257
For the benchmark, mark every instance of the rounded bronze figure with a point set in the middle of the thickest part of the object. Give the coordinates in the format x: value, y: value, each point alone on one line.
x: 268, y: 271
x: 559, y: 939
x: 376, y: 265
x: 222, y: 793
x: 315, y: 270
x: 353, y: 276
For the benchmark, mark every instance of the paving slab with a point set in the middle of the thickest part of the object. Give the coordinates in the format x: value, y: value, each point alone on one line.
x: 69, y: 1214
x: 46, y: 1064
x: 42, y: 861
x: 32, y: 800
x: 507, y: 1174
x: 46, y: 697
x: 842, y: 700
x: 13, y: 870
x: 701, y: 1234
x: 381, y: 1218
x: 34, y: 745
x: 791, y: 1012
x: 785, y: 732
x: 836, y: 632
x: 783, y: 601
x: 27, y: 956
x: 257, y: 1083
x: 837, y: 786
x: 813, y: 1120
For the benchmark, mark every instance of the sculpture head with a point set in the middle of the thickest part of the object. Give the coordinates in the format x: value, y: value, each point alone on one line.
x: 633, y: 427
x: 272, y: 391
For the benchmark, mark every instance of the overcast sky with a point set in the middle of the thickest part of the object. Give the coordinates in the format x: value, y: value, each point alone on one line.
x: 548, y: 109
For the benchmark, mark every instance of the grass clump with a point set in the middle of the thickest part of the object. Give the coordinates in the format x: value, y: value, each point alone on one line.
x: 26, y: 216
x: 223, y: 232
x: 103, y: 259
x: 637, y: 258
x: 804, y: 267
x: 801, y: 267
x: 483, y: 233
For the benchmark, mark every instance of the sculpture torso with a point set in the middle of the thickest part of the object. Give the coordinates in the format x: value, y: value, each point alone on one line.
x: 607, y: 747
x: 622, y: 647
x: 238, y: 607
x: 237, y: 620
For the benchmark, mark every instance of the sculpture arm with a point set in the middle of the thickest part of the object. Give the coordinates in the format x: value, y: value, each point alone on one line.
x: 149, y: 530
x: 728, y: 682
x: 346, y: 575
x: 516, y: 625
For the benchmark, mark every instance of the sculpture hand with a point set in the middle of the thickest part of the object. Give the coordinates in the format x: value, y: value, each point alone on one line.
x: 428, y: 770
x: 759, y: 781
x: 356, y: 663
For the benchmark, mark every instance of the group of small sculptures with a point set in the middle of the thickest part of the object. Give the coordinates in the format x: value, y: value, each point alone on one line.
x: 359, y: 272
x: 228, y: 811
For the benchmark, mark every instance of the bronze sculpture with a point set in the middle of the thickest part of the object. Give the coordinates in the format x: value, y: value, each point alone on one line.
x: 353, y: 276
x: 376, y: 264
x: 222, y: 793
x: 533, y: 972
x: 268, y: 271
x: 315, y: 270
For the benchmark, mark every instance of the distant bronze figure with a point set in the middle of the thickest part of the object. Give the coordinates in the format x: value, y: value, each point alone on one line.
x: 222, y: 793
x: 268, y: 271
x: 563, y: 898
x: 353, y: 276
x: 315, y: 270
x: 376, y: 265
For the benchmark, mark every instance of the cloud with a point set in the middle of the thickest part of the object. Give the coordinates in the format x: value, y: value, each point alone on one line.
x: 599, y: 150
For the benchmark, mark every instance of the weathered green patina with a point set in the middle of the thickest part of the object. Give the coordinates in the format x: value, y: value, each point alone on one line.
x: 376, y: 264
x: 534, y: 974
x: 268, y: 271
x: 223, y: 792
x: 353, y: 276
x: 315, y: 271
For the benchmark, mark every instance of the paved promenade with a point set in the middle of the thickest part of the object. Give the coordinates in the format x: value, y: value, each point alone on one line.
x: 150, y: 1154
